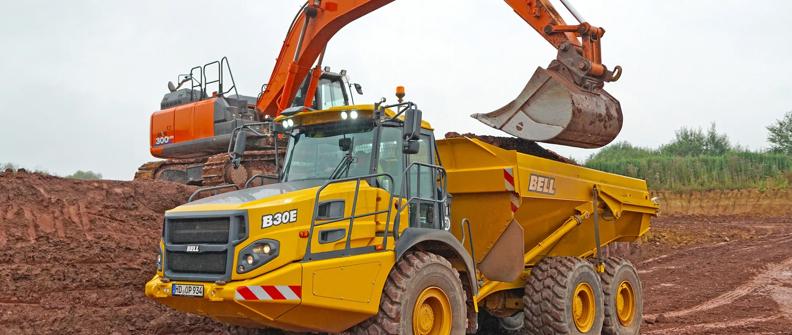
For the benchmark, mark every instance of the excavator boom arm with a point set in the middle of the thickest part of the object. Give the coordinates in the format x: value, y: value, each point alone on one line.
x: 319, y: 20
x: 564, y: 104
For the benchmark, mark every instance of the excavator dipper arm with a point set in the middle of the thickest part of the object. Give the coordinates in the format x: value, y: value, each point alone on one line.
x: 564, y: 104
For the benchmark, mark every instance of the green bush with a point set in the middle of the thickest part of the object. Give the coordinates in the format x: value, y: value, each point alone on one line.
x: 733, y: 170
x: 696, y: 160
x: 85, y: 175
x: 780, y: 136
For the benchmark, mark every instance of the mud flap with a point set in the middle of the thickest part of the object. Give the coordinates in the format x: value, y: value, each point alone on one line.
x: 553, y: 109
x: 504, y: 262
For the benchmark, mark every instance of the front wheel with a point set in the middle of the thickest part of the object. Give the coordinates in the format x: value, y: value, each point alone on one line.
x: 423, y: 296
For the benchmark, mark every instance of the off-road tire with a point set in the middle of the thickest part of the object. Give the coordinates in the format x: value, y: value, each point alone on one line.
x: 414, y: 272
x: 549, y: 295
x: 618, y: 270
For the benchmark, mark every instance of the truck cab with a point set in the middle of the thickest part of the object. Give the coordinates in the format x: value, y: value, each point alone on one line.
x: 355, y: 178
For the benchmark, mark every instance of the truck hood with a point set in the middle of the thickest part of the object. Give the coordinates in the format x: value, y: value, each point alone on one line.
x: 260, y: 192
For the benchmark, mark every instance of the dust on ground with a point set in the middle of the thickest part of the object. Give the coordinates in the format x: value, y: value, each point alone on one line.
x: 76, y: 254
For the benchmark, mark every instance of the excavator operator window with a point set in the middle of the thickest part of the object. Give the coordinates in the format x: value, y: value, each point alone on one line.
x: 331, y: 93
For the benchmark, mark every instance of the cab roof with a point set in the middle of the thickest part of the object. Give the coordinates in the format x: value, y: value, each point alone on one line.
x: 333, y: 114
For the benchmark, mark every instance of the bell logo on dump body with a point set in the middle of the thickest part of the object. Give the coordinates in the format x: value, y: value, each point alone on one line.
x: 542, y: 184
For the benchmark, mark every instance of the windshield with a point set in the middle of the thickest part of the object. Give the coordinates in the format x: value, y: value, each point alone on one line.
x: 316, y: 152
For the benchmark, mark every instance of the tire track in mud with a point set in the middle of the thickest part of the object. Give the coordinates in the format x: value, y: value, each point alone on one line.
x: 759, y: 284
x: 714, y: 326
x: 743, y: 286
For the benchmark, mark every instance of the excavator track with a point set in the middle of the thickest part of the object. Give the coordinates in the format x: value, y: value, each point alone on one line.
x: 174, y: 170
x: 211, y: 171
x: 218, y: 169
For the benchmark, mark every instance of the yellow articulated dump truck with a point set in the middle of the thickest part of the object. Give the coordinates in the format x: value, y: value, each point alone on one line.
x: 374, y: 227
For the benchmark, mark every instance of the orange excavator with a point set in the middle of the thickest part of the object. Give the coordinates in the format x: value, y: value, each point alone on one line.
x: 195, y: 131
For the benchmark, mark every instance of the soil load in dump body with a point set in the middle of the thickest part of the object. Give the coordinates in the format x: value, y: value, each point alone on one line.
x: 520, y: 145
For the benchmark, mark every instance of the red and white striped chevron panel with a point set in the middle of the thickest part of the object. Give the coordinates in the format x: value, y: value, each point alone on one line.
x: 269, y: 292
x: 508, y: 179
x: 514, y: 202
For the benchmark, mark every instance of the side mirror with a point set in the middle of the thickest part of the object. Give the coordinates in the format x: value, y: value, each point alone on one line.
x: 345, y: 144
x: 410, y: 147
x: 358, y: 89
x: 239, y: 148
x: 171, y: 87
x: 411, y: 131
x: 412, y: 124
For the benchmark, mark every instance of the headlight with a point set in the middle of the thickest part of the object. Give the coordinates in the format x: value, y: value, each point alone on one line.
x: 257, y: 254
x: 265, y: 249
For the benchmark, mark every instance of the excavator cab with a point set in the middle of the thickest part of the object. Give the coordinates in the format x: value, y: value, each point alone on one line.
x: 331, y: 91
x: 199, y: 119
x: 200, y: 115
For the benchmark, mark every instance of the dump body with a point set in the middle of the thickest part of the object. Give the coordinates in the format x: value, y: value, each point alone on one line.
x: 513, y: 201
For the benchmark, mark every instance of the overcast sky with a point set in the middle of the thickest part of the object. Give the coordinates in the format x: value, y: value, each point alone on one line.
x: 80, y: 78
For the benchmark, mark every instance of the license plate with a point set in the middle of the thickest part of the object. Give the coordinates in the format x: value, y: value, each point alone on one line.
x: 187, y: 290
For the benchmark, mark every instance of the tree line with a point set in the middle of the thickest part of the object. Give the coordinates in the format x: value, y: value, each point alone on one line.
x: 698, y: 159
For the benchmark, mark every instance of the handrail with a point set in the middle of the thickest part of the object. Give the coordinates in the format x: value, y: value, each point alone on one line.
x: 221, y: 64
x: 262, y: 176
x: 197, y: 83
x: 353, y: 215
x: 211, y: 188
x: 402, y: 194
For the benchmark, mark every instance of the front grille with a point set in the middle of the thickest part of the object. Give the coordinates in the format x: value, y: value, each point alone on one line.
x: 195, y: 231
x: 205, y: 262
x: 200, y: 246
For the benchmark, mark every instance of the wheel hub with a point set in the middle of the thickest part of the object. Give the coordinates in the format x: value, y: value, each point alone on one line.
x: 583, y: 307
x: 432, y: 313
x: 625, y: 303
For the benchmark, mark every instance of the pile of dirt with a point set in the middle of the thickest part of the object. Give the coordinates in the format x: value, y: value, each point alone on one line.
x: 76, y: 254
x: 520, y: 145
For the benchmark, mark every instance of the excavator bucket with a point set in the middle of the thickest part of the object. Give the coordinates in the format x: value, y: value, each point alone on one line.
x: 553, y: 109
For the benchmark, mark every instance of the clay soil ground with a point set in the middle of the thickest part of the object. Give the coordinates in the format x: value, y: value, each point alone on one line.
x: 74, y: 257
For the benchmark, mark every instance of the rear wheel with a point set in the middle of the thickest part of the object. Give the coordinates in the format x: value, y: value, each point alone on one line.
x: 423, y: 296
x: 563, y: 296
x: 623, y: 298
